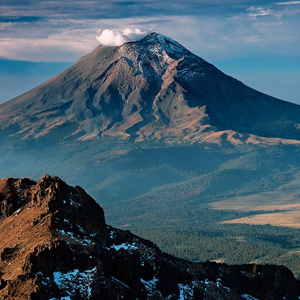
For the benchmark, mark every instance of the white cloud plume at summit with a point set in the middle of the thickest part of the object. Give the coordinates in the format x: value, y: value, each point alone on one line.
x: 110, y: 37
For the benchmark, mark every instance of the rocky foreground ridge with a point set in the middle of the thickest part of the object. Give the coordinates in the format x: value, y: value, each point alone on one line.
x: 55, y: 244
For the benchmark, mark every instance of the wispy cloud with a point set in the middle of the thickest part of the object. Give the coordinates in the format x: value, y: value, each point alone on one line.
x: 258, y: 11
x: 252, y: 39
x: 288, y: 3
x: 4, y: 25
x: 49, y: 49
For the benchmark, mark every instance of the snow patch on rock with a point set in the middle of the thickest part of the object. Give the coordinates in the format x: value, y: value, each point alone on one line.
x: 76, y: 281
x: 125, y: 246
x: 85, y: 241
x: 186, y: 291
x: 248, y: 297
x: 150, y: 286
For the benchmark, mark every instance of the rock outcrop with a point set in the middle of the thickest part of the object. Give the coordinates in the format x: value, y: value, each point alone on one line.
x: 55, y: 244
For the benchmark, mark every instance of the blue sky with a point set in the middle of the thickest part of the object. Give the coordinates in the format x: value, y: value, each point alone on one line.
x: 257, y: 42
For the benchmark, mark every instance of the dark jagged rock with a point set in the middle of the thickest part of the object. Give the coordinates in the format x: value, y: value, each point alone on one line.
x: 56, y: 245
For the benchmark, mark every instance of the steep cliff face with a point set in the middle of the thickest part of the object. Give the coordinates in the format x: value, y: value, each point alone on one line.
x: 153, y: 89
x: 55, y: 244
x: 33, y: 217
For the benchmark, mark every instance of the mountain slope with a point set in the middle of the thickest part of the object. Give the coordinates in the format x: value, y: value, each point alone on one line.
x: 153, y: 89
x: 55, y: 244
x: 81, y: 125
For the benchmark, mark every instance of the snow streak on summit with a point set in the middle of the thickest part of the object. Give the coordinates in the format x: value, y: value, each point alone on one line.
x: 153, y: 89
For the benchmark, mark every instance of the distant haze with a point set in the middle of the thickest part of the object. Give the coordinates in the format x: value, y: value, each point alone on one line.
x: 18, y: 77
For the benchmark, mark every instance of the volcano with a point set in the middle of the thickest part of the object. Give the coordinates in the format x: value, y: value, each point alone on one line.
x: 152, y: 89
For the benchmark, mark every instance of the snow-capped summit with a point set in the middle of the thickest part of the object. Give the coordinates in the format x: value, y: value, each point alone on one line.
x: 165, y: 43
